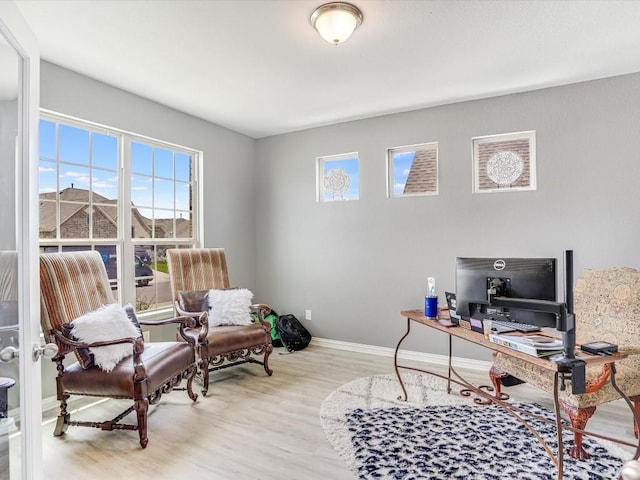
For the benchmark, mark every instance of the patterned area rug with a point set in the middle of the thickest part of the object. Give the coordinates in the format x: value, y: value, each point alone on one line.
x: 440, y: 436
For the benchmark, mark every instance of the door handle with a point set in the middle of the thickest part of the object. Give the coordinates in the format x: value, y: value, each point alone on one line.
x: 9, y: 354
x: 48, y: 350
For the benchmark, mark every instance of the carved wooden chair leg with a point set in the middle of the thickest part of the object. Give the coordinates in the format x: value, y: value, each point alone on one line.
x: 142, y: 408
x: 61, y: 425
x: 203, y: 366
x: 63, y: 418
x: 579, y: 418
x: 636, y: 404
x: 191, y: 375
x: 496, y: 374
x: 267, y: 352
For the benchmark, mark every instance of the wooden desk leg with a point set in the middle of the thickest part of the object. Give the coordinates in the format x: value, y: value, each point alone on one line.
x: 395, y: 362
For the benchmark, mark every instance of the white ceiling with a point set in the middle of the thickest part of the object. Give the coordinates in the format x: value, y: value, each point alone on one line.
x: 258, y: 67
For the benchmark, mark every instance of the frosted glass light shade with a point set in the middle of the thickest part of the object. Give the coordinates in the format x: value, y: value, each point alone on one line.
x: 336, y: 21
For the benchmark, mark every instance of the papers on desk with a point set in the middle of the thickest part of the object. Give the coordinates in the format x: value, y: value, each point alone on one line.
x: 537, y: 345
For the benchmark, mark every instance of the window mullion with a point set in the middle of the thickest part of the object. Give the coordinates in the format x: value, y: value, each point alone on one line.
x: 58, y: 232
x: 128, y: 268
x: 197, y: 199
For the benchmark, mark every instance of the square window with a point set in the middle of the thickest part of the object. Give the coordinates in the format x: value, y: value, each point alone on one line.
x: 338, y: 178
x: 504, y: 163
x: 412, y: 170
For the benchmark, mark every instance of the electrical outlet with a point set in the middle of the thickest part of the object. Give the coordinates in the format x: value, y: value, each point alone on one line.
x: 146, y: 336
x: 307, y: 314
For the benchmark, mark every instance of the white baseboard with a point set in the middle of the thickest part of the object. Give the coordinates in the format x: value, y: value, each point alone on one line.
x: 459, y: 362
x: 74, y: 404
x: 49, y: 403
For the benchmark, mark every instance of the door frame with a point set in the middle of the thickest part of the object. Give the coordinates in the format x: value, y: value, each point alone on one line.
x: 19, y: 35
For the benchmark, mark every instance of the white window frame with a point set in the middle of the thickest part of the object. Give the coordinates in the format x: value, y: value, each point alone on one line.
x: 476, y: 143
x: 320, y: 177
x: 391, y: 169
x: 125, y: 244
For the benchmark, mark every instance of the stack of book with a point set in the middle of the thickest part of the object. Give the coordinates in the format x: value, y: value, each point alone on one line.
x: 537, y: 345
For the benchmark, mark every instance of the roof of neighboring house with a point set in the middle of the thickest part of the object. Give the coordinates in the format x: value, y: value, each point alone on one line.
x: 423, y: 174
x: 73, y: 200
x: 183, y: 227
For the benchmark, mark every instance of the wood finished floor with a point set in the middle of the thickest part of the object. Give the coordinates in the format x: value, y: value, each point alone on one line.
x: 250, y: 426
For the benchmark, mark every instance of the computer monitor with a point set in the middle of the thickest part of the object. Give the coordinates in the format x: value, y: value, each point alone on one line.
x: 527, y: 278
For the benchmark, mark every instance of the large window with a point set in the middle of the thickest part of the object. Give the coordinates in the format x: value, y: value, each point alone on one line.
x: 126, y: 196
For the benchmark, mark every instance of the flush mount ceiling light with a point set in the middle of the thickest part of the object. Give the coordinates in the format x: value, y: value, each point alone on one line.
x: 336, y: 21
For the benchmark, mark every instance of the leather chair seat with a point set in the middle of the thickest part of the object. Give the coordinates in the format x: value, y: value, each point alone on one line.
x: 228, y: 338
x: 161, y: 361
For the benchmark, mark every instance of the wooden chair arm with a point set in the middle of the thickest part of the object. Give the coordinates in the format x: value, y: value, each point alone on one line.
x: 189, y: 320
x: 139, y: 372
x: 184, y: 313
x: 604, y: 375
x: 629, y: 350
x: 198, y: 318
x: 262, y: 309
x: 599, y: 382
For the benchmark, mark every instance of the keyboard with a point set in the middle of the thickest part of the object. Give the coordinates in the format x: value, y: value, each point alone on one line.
x: 504, y: 326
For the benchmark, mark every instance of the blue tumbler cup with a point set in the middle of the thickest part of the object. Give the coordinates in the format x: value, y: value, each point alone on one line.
x: 431, y: 306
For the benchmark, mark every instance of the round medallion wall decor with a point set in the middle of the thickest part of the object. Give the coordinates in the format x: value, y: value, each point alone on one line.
x: 505, y: 167
x: 336, y: 182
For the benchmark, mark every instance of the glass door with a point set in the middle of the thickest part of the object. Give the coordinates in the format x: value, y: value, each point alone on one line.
x: 20, y: 382
x: 9, y: 283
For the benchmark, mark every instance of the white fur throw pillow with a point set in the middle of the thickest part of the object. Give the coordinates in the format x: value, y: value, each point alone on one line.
x: 107, y: 323
x: 230, y: 307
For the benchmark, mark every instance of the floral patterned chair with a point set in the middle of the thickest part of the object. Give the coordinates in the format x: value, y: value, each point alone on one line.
x: 607, y: 307
x: 198, y: 273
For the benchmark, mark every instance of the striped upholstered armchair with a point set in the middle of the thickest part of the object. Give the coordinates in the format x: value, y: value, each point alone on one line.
x: 78, y: 314
x: 607, y: 307
x: 196, y: 275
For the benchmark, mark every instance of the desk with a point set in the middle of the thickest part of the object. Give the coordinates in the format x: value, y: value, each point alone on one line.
x: 485, y: 393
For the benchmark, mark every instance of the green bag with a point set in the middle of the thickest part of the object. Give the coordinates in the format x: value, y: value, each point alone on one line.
x: 275, y: 336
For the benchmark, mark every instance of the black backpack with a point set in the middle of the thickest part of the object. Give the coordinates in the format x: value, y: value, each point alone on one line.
x: 292, y: 333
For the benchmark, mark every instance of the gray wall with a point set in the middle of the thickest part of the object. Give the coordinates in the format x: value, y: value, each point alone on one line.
x: 357, y: 264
